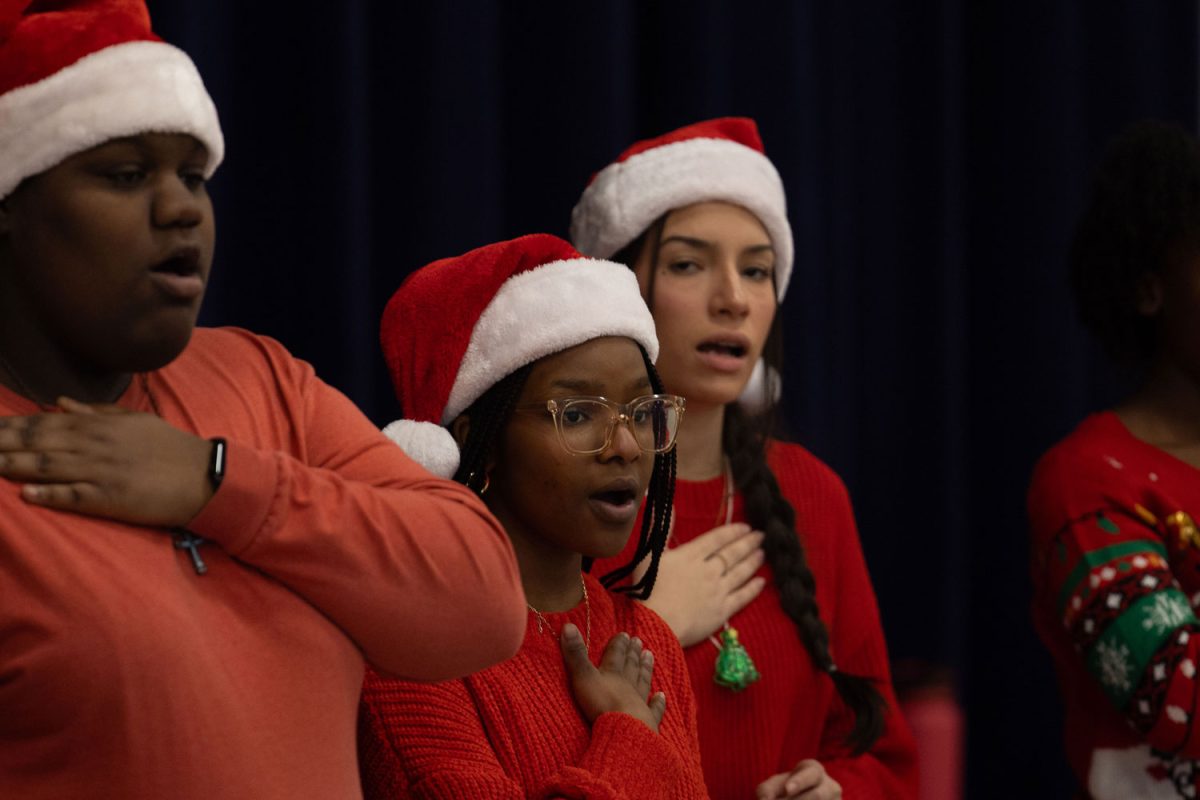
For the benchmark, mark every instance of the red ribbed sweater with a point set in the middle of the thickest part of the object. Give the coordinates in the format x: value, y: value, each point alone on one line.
x: 794, y: 712
x: 514, y: 730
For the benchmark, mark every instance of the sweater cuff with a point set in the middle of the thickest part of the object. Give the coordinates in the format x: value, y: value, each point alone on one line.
x: 631, y: 757
x: 238, y: 509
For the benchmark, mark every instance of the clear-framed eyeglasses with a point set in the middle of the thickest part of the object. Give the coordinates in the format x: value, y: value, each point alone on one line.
x: 585, y: 425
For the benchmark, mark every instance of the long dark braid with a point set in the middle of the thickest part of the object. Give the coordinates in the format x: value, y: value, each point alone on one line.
x: 656, y: 516
x: 744, y: 441
x: 490, y: 414
x: 767, y: 510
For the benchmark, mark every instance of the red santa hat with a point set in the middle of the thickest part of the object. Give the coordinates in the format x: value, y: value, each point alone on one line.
x: 720, y: 159
x: 77, y: 73
x: 458, y: 326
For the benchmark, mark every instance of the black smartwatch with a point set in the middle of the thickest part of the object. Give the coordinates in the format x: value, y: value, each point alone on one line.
x: 216, y: 462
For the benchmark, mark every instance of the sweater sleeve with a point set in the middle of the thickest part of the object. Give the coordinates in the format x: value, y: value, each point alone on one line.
x: 1109, y: 570
x: 889, y: 768
x: 413, y: 568
x: 429, y: 738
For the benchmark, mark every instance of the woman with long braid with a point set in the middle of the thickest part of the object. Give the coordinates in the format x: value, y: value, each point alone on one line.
x: 525, y: 372
x: 765, y: 586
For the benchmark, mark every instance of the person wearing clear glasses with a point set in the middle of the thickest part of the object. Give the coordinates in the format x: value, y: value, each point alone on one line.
x: 525, y: 372
x: 764, y: 582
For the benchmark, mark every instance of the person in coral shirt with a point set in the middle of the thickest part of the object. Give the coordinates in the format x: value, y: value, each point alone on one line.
x: 200, y: 541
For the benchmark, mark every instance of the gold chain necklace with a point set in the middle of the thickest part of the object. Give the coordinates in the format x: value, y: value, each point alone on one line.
x: 587, y: 610
x: 727, y: 506
x: 733, y: 669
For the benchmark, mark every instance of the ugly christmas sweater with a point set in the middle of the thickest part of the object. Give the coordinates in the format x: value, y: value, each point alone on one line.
x: 793, y: 711
x: 514, y: 730
x: 1115, y: 573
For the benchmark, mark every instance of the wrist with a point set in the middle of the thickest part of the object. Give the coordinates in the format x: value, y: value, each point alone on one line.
x: 216, y: 462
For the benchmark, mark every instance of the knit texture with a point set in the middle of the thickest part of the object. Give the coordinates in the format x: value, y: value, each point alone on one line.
x: 793, y: 711
x: 1116, y: 575
x: 514, y: 730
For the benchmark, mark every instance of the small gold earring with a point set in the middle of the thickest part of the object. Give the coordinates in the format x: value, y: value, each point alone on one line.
x: 487, y: 481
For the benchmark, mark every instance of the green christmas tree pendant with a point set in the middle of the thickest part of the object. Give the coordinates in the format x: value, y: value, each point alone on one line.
x: 734, y: 668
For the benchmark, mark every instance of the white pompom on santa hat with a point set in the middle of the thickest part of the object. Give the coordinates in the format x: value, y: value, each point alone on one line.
x: 458, y: 326
x: 76, y: 73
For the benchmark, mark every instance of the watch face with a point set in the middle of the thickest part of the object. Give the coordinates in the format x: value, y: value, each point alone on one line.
x: 216, y: 463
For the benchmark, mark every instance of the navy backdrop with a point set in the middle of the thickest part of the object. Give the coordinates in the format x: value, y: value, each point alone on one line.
x: 935, y: 156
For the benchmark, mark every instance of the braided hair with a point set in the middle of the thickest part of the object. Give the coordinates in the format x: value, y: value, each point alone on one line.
x: 489, y: 416
x: 744, y: 442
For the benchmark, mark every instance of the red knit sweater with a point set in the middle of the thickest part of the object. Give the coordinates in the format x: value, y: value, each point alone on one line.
x: 1116, y: 574
x: 793, y: 712
x: 514, y: 730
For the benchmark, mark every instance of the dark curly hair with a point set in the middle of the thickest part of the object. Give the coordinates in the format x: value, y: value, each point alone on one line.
x: 1144, y: 207
x: 489, y: 416
x: 744, y: 441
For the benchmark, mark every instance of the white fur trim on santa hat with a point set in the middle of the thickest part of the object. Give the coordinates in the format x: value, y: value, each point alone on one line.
x: 427, y: 443
x: 627, y: 196
x: 546, y: 310
x: 123, y: 90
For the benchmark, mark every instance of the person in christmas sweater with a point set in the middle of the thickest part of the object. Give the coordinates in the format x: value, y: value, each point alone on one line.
x: 765, y: 586
x: 201, y: 540
x: 536, y: 364
x: 1115, y: 550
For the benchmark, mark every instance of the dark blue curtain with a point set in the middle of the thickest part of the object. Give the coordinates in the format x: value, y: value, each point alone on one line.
x: 935, y: 155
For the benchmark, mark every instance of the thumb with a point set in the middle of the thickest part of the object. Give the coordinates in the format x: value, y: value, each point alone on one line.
x: 772, y: 787
x: 75, y: 407
x: 574, y: 652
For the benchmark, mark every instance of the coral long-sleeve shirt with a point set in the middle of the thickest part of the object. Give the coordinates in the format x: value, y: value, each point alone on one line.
x: 794, y: 712
x: 124, y: 673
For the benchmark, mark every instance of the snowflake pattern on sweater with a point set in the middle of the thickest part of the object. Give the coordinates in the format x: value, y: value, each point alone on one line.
x: 1116, y: 572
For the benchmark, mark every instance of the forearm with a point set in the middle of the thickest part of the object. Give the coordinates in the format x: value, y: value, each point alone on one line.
x: 416, y: 572
x: 431, y: 739
x: 624, y: 760
x: 1111, y: 587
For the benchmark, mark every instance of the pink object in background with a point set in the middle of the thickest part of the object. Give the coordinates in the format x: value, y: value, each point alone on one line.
x: 938, y: 724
